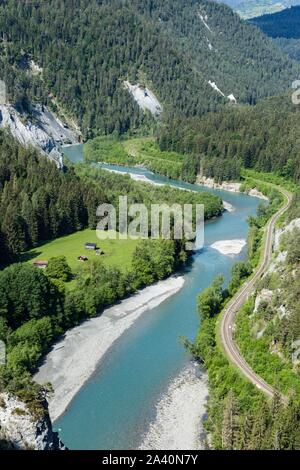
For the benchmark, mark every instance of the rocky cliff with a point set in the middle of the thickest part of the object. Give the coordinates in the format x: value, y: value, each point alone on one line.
x: 20, y: 430
x: 42, y: 130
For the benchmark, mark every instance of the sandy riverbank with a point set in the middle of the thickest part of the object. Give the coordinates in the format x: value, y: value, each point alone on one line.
x: 134, y: 176
x: 178, y: 424
x: 232, y: 187
x: 144, y: 179
x: 74, y: 359
x: 229, y: 247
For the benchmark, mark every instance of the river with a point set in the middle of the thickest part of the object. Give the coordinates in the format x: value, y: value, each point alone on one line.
x: 146, y: 393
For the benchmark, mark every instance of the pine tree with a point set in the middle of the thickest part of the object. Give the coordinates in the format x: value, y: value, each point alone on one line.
x: 229, y: 423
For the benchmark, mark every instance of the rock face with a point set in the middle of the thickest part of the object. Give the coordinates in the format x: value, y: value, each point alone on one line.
x: 294, y: 224
x: 226, y: 186
x: 43, y: 130
x: 232, y: 187
x: 19, y: 430
x: 145, y: 98
x: 265, y: 295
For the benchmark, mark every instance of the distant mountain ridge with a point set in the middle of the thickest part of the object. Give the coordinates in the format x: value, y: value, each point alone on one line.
x: 255, y: 8
x: 284, y: 28
x: 284, y: 24
x: 193, y: 56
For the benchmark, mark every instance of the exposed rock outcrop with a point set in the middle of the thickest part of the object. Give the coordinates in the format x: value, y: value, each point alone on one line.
x: 265, y: 296
x: 233, y: 187
x: 20, y: 430
x: 145, y: 98
x: 294, y: 224
x: 42, y: 130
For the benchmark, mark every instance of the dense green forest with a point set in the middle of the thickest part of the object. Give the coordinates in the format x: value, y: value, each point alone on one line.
x: 37, y: 201
x: 116, y: 185
x: 290, y: 47
x: 239, y: 416
x: 264, y: 137
x: 139, y: 151
x: 86, y: 49
x: 167, y: 45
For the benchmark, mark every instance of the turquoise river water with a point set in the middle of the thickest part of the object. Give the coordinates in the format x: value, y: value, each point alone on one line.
x: 117, y: 405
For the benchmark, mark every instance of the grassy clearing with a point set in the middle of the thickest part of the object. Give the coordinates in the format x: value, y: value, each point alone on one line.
x: 271, y: 179
x: 116, y: 252
x: 139, y: 151
x: 146, y: 148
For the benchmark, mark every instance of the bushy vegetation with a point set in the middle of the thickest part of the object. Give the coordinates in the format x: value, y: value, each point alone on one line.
x: 38, y: 202
x: 283, y: 27
x: 114, y: 185
x: 266, y: 334
x: 294, y: 210
x: 291, y: 47
x: 114, y: 252
x: 239, y: 416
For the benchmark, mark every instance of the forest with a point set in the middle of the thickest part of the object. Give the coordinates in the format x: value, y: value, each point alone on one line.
x: 85, y: 50
x: 162, y: 44
x: 36, y: 307
x: 264, y: 137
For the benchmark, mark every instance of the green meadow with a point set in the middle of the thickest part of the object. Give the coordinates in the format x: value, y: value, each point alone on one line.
x: 132, y: 152
x: 116, y: 252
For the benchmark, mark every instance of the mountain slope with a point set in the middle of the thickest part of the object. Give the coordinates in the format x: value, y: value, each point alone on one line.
x: 284, y: 28
x: 285, y: 24
x: 192, y: 55
x: 264, y: 137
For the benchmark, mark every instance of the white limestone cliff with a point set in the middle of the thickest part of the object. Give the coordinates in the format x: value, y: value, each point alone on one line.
x: 43, y: 130
x: 20, y: 430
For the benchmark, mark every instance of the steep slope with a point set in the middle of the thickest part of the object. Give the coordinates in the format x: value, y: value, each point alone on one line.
x: 284, y: 28
x: 20, y: 429
x: 193, y: 56
x: 284, y: 24
x: 42, y: 130
x: 264, y: 137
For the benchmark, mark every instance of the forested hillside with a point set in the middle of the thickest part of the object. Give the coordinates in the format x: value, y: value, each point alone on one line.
x: 264, y: 137
x: 86, y: 49
x: 284, y: 28
x: 284, y: 24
